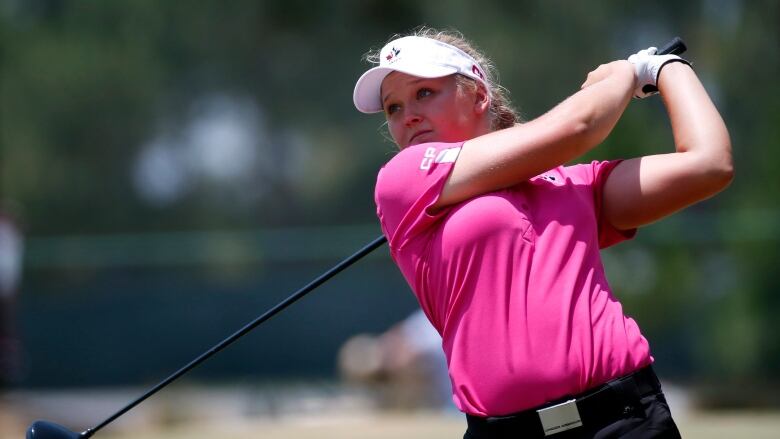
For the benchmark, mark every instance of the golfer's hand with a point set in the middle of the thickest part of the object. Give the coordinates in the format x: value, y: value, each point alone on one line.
x: 620, y: 67
x: 647, y: 66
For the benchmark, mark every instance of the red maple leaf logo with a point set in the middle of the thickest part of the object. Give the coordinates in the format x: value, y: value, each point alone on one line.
x: 393, y: 52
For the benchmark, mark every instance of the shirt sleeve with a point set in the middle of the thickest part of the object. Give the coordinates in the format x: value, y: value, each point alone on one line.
x: 408, y: 185
x: 608, y: 234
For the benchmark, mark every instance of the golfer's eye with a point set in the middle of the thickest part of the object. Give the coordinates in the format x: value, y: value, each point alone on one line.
x: 392, y: 108
x: 423, y: 92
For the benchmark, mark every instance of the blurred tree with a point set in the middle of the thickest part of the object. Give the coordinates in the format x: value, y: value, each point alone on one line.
x: 145, y: 116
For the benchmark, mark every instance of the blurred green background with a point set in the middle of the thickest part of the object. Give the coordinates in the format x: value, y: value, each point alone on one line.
x: 178, y: 167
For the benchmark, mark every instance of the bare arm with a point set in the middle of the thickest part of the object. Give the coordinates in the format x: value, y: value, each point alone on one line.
x: 505, y: 158
x: 645, y: 189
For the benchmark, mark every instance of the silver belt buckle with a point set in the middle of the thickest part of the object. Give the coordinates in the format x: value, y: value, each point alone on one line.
x: 560, y: 417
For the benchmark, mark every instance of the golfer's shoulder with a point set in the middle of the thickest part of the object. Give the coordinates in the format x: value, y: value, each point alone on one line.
x: 424, y: 157
x: 421, y: 164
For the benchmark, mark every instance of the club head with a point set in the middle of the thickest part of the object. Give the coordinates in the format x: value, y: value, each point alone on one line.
x: 50, y: 430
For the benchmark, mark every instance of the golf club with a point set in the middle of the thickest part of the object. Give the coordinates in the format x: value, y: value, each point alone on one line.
x: 48, y: 430
x: 674, y: 47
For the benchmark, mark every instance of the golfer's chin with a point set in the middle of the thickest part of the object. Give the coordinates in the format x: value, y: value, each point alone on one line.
x: 425, y: 137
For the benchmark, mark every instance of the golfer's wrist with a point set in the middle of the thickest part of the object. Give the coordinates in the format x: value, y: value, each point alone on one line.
x: 625, y: 75
x: 630, y: 74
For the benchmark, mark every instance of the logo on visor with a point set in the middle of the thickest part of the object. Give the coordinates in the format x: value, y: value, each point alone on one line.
x: 477, y: 72
x: 393, y: 53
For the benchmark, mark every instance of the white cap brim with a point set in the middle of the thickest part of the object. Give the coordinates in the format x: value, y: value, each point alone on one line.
x: 368, y: 90
x: 417, y: 56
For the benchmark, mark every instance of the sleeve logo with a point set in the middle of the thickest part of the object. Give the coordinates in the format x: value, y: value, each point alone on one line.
x: 448, y: 155
x: 430, y: 154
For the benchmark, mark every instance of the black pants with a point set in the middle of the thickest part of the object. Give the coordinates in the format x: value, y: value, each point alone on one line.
x: 645, y: 415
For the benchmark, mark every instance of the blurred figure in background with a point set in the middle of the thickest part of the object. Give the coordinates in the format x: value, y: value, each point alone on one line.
x: 406, y: 363
x: 11, y: 250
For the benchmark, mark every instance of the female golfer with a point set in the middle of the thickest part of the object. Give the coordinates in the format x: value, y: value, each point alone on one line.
x: 500, y: 242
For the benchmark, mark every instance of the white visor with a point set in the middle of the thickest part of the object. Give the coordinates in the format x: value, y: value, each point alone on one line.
x: 416, y: 56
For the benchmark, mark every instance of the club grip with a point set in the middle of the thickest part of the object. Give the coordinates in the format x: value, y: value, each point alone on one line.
x: 674, y: 47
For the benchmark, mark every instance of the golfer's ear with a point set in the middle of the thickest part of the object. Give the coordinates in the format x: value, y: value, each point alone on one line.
x: 481, y: 100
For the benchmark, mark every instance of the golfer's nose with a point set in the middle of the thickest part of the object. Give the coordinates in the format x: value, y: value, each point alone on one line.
x: 412, y: 118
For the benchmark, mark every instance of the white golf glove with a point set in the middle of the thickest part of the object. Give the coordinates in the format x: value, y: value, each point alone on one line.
x: 647, y: 66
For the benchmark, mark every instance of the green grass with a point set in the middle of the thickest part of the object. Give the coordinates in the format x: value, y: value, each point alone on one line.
x: 728, y: 425
x: 226, y: 414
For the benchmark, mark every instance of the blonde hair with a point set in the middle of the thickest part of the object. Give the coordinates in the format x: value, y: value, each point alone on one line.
x: 502, y: 113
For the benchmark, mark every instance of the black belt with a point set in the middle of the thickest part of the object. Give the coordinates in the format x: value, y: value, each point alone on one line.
x: 596, y: 408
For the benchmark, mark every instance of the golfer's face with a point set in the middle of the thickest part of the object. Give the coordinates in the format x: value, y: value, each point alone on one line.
x: 421, y: 110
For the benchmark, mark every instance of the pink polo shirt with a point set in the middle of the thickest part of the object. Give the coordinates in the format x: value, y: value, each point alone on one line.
x: 512, y: 280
